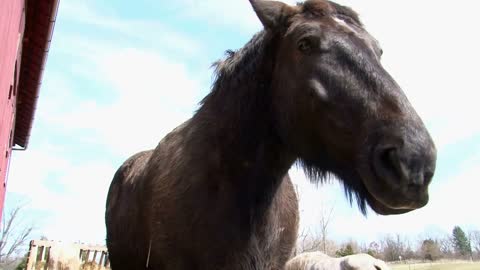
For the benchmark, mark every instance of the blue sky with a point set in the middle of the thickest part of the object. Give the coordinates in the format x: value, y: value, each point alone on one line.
x: 119, y: 77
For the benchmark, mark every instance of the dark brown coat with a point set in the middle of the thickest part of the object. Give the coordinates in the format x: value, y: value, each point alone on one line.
x: 215, y: 193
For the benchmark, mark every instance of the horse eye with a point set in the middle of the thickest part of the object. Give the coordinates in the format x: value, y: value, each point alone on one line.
x: 304, y: 45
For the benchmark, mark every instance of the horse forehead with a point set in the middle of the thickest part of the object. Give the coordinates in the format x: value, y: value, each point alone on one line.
x: 358, y: 31
x: 348, y: 27
x: 340, y: 22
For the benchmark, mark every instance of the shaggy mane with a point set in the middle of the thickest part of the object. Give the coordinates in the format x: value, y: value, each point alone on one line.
x: 239, y: 67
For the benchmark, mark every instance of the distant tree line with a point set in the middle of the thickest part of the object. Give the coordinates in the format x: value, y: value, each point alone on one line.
x: 457, y: 245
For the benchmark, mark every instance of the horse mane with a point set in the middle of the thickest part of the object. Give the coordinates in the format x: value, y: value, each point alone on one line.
x: 239, y: 102
x: 240, y: 95
x: 239, y: 70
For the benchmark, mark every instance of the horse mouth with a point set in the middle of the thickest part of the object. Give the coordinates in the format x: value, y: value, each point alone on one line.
x: 393, y: 203
x: 383, y: 209
x: 387, y: 197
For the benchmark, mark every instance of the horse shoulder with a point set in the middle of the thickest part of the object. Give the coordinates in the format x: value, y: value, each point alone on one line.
x: 126, y: 179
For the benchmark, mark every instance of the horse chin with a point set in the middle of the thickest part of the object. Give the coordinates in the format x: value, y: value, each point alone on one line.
x: 377, y: 205
x: 384, y: 210
x: 319, y: 174
x: 385, y: 201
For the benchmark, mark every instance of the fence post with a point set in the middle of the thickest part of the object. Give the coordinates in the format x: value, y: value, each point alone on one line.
x: 32, y: 255
x: 94, y: 256
x: 101, y: 263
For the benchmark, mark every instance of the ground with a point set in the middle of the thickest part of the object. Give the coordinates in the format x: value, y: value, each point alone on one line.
x: 439, y: 266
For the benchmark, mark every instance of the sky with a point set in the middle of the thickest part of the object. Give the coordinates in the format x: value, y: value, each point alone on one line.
x: 120, y: 77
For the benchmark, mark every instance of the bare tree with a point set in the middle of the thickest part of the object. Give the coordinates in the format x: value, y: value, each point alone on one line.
x: 318, y: 240
x: 446, y: 246
x: 393, y: 247
x: 475, y: 241
x: 14, y: 235
x: 308, y: 242
x: 325, y: 218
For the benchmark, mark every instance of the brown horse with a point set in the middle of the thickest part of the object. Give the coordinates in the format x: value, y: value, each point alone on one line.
x: 215, y: 193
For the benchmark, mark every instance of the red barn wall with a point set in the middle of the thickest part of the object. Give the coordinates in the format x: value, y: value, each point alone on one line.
x: 12, y: 23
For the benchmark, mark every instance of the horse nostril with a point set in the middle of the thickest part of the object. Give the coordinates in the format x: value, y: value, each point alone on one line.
x: 391, y: 166
x: 400, y: 166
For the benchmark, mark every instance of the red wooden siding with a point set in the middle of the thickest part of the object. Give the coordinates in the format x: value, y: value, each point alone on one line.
x: 11, y: 30
x: 26, y: 29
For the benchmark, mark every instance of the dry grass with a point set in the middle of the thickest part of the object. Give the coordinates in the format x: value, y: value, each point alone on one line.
x: 439, y: 266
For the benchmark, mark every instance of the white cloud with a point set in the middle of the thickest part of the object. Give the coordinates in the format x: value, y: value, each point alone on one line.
x: 237, y: 15
x: 82, y: 208
x: 88, y: 13
x: 153, y: 96
x: 74, y: 213
x: 149, y: 94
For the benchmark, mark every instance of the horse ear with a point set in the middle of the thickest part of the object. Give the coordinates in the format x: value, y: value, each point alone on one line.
x: 271, y: 13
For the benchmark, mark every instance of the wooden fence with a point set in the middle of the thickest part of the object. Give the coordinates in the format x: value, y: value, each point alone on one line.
x: 90, y: 257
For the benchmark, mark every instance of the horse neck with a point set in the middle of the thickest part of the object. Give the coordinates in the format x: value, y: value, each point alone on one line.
x: 243, y: 136
x: 234, y: 131
x: 248, y: 158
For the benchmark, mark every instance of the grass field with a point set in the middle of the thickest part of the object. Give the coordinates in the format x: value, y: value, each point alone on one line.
x: 442, y: 266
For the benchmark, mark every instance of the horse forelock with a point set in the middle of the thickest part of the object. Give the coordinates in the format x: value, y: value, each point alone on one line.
x: 344, y: 11
x: 317, y: 7
x: 320, y: 8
